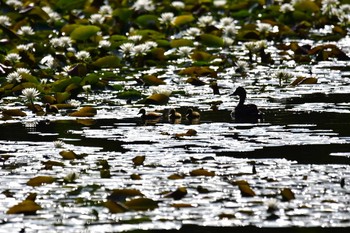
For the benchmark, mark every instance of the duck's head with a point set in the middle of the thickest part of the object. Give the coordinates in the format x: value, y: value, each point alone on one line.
x: 189, y: 111
x: 172, y: 111
x: 240, y: 91
x: 142, y: 111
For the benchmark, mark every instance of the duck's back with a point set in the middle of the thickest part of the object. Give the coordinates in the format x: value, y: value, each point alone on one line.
x: 247, y: 111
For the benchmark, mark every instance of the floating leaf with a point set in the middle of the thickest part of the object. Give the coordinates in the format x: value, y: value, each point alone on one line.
x: 135, y: 177
x: 147, y: 21
x: 176, y: 176
x: 182, y: 20
x: 201, y: 56
x: 287, y: 194
x: 84, y: 112
x: 181, y: 205
x: 304, y: 80
x: 116, y: 207
x: 68, y: 5
x: 119, y: 195
x: 39, y: 180
x: 180, y: 43
x: 201, y: 172
x: 195, y: 81
x: 177, y: 194
x: 84, y: 32
x: 152, y: 80
x: 198, y: 71
x: 246, y: 190
x: 13, y: 112
x: 28, y: 206
x: 107, y: 62
x: 157, y: 99
x: 62, y: 96
x: 210, y: 40
x: 141, y: 204
x: 138, y: 160
x: 68, y: 154
x: 129, y: 94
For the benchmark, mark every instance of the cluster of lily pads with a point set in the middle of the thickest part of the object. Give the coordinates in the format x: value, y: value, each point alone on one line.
x: 60, y: 51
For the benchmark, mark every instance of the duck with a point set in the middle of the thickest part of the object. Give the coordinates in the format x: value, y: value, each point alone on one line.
x: 51, y: 108
x: 174, y: 115
x: 191, y: 114
x: 149, y: 115
x: 245, y: 112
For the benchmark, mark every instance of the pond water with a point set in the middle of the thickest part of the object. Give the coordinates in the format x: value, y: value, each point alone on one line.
x: 302, y: 144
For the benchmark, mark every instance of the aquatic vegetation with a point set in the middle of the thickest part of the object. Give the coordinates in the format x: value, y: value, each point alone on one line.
x: 97, y: 165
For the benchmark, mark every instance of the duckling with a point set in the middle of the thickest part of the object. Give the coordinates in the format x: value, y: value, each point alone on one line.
x: 174, y: 115
x: 149, y: 115
x: 51, y: 108
x: 191, y: 115
x: 245, y: 111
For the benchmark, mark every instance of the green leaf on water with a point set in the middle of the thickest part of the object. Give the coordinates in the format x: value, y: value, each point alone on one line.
x: 84, y: 32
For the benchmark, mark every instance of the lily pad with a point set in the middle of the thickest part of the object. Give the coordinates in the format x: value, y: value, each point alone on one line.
x: 25, y: 207
x: 84, y: 112
x: 84, y: 32
x: 115, y: 207
x: 157, y: 99
x: 39, y: 180
x: 141, y: 204
x: 152, y: 80
x: 210, y: 40
x: 107, y: 62
x: 201, y: 172
x: 183, y: 20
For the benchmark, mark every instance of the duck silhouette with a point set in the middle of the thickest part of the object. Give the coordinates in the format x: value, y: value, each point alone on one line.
x: 192, y: 116
x: 245, y: 112
x: 174, y: 116
x: 149, y: 115
x: 51, y: 108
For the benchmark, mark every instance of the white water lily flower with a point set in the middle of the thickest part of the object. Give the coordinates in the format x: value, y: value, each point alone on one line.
x: 25, y: 30
x: 219, y: 3
x: 230, y: 30
x: 58, y: 144
x: 135, y: 38
x: 83, y: 55
x: 161, y: 90
x: 30, y: 94
x: 5, y: 20
x: 104, y: 44
x: 14, y: 77
x: 54, y: 16
x: 23, y: 71
x: 184, y: 51
x: 48, y: 61
x: 141, y: 49
x: 226, y: 21
x: 74, y: 103
x: 25, y: 47
x: 105, y: 10
x: 242, y: 66
x: 193, y: 32
x: 205, y: 21
x: 126, y: 48
x: 286, y: 7
x: 151, y: 44
x: 97, y: 19
x: 143, y: 5
x: 14, y: 3
x: 13, y: 57
x: 166, y: 17
x: 178, y: 5
x: 86, y: 88
x: 264, y: 27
